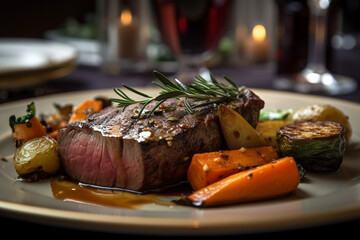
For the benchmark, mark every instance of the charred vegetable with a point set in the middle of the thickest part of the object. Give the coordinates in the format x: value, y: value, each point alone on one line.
x: 85, y: 108
x: 37, y: 158
x: 317, y: 146
x: 322, y: 112
x: 54, y: 122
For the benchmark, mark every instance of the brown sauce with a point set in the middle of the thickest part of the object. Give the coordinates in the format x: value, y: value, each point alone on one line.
x: 68, y: 190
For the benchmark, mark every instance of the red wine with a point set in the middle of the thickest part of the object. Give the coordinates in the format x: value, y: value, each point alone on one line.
x: 192, y: 27
x: 293, y: 36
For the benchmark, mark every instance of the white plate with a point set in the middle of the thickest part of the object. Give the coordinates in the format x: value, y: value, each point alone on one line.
x: 27, y: 62
x: 320, y: 199
x: 17, y: 55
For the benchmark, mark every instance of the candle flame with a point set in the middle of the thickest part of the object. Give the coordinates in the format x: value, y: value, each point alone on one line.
x: 259, y: 33
x: 126, y: 17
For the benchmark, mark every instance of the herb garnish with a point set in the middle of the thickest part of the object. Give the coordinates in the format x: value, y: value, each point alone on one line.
x: 201, y: 91
x: 23, y: 119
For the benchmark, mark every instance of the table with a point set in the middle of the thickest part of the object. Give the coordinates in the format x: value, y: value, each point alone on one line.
x: 87, y: 78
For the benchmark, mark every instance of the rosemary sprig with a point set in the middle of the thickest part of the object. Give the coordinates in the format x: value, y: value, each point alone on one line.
x: 201, y: 91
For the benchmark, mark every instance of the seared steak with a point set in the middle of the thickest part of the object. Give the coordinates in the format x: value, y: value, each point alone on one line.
x: 112, y: 148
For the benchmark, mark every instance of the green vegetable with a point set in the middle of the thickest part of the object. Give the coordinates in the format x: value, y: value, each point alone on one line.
x: 302, y: 171
x: 270, y: 114
x: 317, y: 146
x: 23, y: 119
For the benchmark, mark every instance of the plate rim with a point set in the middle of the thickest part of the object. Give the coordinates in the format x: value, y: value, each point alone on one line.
x: 156, y: 225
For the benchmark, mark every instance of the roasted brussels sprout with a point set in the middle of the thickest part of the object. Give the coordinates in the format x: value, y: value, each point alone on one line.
x: 322, y: 112
x: 37, y: 158
x: 317, y: 146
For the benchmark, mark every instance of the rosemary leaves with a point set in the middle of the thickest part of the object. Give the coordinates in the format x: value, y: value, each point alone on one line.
x: 200, y: 91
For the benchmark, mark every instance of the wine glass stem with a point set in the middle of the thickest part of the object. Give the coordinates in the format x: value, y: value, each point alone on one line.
x: 317, y: 38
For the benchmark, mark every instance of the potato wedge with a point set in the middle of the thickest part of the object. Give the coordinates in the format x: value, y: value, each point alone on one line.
x: 268, y: 130
x: 237, y: 131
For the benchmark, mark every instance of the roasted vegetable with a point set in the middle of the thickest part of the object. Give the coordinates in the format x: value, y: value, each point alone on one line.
x: 37, y: 158
x: 269, y: 128
x: 266, y: 181
x: 322, y: 112
x: 26, y: 127
x: 58, y: 120
x: 237, y: 131
x: 85, y: 108
x: 207, y: 168
x: 31, y: 111
x: 317, y: 146
x: 270, y: 114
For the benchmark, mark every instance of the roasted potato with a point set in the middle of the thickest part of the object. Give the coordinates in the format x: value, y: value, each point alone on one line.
x: 322, y: 112
x: 268, y: 130
x: 37, y: 158
x: 237, y: 131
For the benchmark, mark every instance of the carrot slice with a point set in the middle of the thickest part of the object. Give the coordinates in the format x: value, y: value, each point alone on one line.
x: 26, y: 131
x: 207, y: 168
x: 54, y: 134
x: 263, y: 182
x: 85, y: 108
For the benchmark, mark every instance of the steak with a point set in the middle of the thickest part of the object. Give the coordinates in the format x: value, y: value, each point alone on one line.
x: 113, y: 148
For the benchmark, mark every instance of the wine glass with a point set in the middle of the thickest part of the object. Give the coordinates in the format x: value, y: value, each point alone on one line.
x: 192, y: 30
x: 315, y: 78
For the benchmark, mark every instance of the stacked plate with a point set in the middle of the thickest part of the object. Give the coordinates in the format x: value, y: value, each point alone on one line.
x: 27, y: 62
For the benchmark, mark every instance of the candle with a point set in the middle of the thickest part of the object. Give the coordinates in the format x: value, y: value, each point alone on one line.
x: 128, y: 27
x: 258, y: 45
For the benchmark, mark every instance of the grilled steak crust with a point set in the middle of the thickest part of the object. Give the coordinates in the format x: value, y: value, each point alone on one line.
x: 115, y: 149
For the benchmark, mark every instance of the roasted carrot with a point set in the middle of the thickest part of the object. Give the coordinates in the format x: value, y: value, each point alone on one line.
x: 273, y: 179
x: 85, y: 108
x: 54, y: 134
x: 207, y: 168
x: 26, y: 131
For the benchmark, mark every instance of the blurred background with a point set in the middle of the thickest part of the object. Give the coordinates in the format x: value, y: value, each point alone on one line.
x: 50, y: 47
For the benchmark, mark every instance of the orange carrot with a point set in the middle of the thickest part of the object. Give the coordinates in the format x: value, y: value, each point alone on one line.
x: 263, y: 182
x: 54, y: 134
x: 26, y: 131
x: 85, y: 109
x: 207, y: 168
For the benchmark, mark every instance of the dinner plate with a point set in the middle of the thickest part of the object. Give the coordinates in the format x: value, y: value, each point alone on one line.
x: 320, y: 199
x: 30, y: 61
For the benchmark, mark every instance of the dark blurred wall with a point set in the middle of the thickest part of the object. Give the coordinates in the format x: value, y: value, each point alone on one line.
x: 31, y: 18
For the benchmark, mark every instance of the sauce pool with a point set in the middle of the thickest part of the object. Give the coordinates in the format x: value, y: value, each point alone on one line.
x: 67, y: 190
